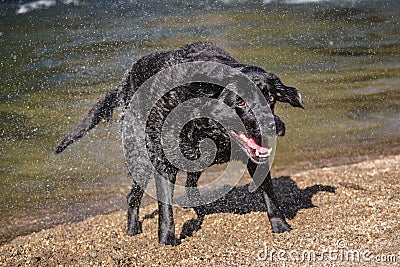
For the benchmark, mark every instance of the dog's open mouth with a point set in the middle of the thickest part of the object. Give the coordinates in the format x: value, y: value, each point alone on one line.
x: 255, y: 151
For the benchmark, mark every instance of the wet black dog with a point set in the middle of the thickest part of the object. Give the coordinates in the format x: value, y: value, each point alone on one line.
x: 194, y: 131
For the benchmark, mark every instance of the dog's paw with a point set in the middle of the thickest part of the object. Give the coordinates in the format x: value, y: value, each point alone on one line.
x: 171, y: 241
x: 190, y: 227
x: 134, y: 229
x: 279, y: 225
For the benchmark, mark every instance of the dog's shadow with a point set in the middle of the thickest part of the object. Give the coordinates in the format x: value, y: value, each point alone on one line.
x: 240, y: 201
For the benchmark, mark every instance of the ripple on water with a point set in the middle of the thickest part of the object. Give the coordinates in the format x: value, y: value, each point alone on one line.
x: 379, y: 86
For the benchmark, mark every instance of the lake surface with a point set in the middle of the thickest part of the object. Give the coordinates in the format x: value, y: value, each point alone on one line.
x: 59, y: 57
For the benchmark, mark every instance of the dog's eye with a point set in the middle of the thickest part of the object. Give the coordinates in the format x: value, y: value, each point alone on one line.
x: 240, y: 104
x: 271, y: 98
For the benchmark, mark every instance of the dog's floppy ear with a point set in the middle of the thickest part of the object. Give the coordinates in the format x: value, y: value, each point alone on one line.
x: 289, y: 95
x: 270, y: 84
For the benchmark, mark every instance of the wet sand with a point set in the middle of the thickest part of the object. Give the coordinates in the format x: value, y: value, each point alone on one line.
x: 346, y: 215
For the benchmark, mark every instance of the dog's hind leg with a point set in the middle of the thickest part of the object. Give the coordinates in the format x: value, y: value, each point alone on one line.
x: 193, y: 193
x: 134, y: 198
x: 277, y: 220
x: 165, y: 192
x: 193, y: 200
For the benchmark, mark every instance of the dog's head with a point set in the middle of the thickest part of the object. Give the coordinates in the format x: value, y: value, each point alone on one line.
x: 273, y: 90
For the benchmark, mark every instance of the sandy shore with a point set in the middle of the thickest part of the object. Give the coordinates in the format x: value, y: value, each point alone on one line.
x: 342, y: 216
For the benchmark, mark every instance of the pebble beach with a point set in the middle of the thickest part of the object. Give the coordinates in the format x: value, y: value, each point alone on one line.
x: 342, y: 216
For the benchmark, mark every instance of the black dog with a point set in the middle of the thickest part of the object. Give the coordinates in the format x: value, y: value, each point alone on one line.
x: 194, y: 131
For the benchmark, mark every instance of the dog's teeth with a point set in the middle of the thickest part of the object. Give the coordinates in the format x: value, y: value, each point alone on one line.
x: 264, y: 155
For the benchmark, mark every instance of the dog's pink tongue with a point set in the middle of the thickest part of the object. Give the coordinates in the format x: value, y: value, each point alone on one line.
x: 251, y: 143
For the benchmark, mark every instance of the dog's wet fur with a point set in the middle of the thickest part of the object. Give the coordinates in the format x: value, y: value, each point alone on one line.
x: 194, y: 131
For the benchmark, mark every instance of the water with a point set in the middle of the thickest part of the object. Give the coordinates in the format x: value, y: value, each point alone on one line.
x: 59, y: 57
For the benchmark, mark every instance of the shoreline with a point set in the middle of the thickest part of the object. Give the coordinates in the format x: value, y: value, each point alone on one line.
x: 357, y: 203
x: 18, y: 226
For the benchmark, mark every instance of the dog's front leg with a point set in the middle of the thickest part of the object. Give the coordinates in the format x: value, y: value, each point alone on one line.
x: 166, y: 226
x: 277, y: 220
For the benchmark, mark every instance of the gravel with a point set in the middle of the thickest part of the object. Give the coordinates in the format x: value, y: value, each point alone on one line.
x: 341, y: 216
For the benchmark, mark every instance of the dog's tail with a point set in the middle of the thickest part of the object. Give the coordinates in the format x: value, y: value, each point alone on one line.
x: 101, y: 110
